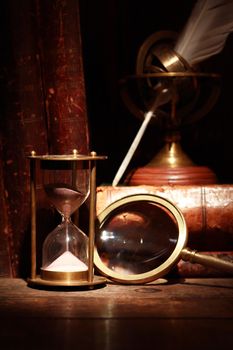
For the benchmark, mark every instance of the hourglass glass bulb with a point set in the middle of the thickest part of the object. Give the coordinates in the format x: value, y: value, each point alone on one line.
x: 65, y: 249
x: 65, y: 198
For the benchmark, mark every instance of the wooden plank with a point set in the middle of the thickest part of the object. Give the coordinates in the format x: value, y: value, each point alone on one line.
x: 194, y: 298
x: 197, y: 312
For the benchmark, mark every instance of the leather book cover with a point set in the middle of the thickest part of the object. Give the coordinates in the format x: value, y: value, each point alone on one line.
x: 44, y: 110
x: 63, y: 77
x: 5, y: 263
x: 208, y: 210
x: 23, y: 126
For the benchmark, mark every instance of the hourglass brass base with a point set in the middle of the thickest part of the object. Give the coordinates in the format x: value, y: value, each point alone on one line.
x: 40, y: 282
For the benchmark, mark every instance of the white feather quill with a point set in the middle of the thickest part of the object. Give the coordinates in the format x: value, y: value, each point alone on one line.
x: 206, y: 31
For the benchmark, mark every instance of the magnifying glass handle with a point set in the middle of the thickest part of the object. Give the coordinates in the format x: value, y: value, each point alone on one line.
x: 194, y: 257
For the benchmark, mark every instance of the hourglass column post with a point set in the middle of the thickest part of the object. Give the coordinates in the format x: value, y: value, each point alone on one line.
x: 33, y: 214
x: 92, y: 217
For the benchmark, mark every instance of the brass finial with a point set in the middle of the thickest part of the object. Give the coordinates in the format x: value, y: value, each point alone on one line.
x: 75, y: 152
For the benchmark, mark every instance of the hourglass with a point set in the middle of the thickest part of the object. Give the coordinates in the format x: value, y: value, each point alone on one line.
x: 67, y: 254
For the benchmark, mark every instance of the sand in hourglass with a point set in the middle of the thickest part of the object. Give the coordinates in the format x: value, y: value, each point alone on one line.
x: 65, y: 198
x: 67, y: 262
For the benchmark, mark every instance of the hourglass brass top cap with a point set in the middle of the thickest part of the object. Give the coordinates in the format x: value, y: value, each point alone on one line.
x: 74, y: 156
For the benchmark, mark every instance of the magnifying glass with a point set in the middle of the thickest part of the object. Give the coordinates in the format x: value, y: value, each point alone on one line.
x: 141, y: 238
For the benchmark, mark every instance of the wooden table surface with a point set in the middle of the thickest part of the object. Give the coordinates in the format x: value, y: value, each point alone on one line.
x: 187, y: 314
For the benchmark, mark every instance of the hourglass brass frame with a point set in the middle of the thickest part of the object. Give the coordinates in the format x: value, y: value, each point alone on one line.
x: 68, y: 281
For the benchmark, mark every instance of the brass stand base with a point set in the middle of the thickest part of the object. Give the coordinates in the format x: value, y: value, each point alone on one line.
x: 38, y: 282
x: 159, y: 176
x: 171, y: 166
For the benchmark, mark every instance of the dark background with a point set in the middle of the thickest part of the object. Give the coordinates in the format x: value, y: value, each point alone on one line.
x: 112, y: 33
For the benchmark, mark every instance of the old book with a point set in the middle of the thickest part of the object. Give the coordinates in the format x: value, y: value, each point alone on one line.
x: 63, y: 77
x: 5, y: 264
x: 208, y: 210
x: 43, y: 109
x: 23, y: 126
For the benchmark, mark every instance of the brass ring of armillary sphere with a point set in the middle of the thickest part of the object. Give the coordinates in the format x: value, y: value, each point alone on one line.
x: 200, y: 107
x: 157, y: 61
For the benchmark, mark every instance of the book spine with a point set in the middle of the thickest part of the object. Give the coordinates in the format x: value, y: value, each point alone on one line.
x: 5, y: 263
x: 63, y: 76
x: 23, y: 126
x: 44, y: 108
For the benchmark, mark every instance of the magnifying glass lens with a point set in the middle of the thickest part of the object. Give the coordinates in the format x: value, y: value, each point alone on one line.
x: 137, y: 237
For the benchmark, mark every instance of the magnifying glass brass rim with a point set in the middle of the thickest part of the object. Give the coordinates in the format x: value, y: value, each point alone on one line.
x: 162, y: 269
